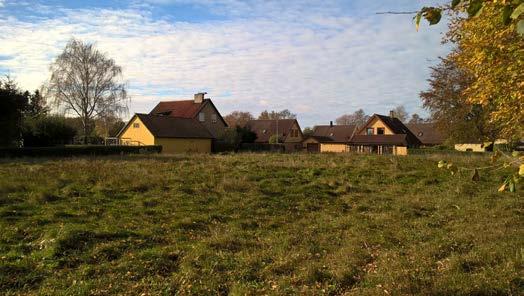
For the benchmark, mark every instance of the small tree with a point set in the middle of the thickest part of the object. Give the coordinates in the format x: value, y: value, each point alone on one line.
x: 307, y: 131
x: 13, y: 103
x: 86, y: 82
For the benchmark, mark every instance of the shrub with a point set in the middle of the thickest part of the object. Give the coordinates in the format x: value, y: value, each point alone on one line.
x: 47, y: 131
x: 77, y: 151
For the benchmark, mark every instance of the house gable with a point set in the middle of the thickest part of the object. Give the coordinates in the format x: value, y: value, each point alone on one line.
x: 294, y: 133
x: 136, y: 133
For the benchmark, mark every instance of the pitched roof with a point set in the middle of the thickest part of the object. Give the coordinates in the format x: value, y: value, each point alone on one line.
x: 399, y: 139
x: 173, y: 127
x: 184, y: 109
x: 427, y: 133
x: 265, y: 128
x: 320, y: 139
x: 396, y: 126
x: 335, y: 133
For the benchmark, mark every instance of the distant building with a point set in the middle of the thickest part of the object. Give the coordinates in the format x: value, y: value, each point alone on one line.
x: 427, y: 134
x: 179, y: 126
x: 329, y: 138
x: 383, y: 135
x: 288, y: 131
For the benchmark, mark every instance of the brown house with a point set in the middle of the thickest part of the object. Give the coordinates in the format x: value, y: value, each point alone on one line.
x: 288, y: 131
x: 199, y: 108
x: 426, y: 133
x: 329, y: 138
x: 383, y: 135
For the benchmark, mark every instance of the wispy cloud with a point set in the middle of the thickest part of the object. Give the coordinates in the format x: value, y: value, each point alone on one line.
x: 319, y: 63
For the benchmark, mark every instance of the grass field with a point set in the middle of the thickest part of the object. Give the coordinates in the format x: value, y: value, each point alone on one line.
x: 257, y: 224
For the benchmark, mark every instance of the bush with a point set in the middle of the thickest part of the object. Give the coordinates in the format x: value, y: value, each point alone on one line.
x: 77, y: 151
x: 45, y: 131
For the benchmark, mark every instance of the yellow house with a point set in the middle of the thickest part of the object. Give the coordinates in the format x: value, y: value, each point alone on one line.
x: 329, y: 138
x: 174, y: 134
x: 383, y: 135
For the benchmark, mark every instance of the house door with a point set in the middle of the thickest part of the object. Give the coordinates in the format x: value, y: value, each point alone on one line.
x: 313, y: 147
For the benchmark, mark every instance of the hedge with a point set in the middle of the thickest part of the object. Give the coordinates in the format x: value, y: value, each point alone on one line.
x: 77, y: 150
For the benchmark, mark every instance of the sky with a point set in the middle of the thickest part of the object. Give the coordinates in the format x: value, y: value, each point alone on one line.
x: 319, y: 59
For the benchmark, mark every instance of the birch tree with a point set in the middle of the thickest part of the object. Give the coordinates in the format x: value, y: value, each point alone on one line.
x: 87, y: 83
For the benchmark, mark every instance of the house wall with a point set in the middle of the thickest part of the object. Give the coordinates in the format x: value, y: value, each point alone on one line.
x: 376, y: 123
x: 217, y: 128
x: 136, y: 135
x: 289, y: 138
x: 400, y: 150
x: 178, y: 145
x: 334, y: 147
x: 470, y: 147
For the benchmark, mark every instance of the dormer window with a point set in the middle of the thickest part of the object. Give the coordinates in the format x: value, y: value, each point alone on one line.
x: 331, y: 135
x: 202, y: 117
x: 264, y: 131
x: 420, y: 134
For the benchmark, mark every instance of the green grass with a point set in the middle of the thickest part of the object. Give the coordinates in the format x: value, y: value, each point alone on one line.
x: 257, y: 224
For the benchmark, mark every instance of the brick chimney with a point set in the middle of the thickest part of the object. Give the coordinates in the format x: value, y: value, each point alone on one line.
x: 392, y: 114
x: 199, y: 97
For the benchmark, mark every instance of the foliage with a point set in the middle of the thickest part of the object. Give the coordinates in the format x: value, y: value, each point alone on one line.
x: 489, y: 43
x: 252, y: 224
x: 455, y: 117
x: 13, y: 103
x: 510, y: 182
x: 307, y: 131
x: 85, y: 81
x: 41, y: 131
x: 415, y: 118
x: 284, y: 114
x: 274, y: 139
x: 238, y: 118
x: 37, y: 105
x: 358, y: 118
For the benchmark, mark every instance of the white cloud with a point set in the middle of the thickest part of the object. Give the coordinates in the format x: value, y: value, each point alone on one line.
x: 320, y: 65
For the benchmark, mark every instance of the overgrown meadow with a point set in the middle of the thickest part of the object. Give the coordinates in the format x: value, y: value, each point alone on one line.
x: 258, y: 224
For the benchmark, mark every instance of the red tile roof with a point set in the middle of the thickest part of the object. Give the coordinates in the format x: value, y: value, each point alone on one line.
x: 184, y: 109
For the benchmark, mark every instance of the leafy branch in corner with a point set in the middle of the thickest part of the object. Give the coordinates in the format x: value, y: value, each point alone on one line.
x: 511, y: 181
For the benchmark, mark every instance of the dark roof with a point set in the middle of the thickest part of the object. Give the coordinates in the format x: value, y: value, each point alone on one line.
x: 265, y: 128
x: 396, y: 126
x: 426, y: 133
x: 400, y: 139
x: 173, y: 127
x: 335, y: 133
x: 320, y: 139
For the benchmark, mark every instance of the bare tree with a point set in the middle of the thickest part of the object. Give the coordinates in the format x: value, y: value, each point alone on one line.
x: 238, y: 118
x: 87, y: 83
x: 401, y: 113
x: 358, y: 117
x: 284, y: 114
x: 415, y: 118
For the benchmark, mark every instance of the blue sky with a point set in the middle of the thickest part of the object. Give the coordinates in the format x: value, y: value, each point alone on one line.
x: 320, y: 59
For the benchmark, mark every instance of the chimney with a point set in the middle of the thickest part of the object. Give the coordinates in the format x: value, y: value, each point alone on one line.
x: 199, y: 97
x: 331, y: 124
x: 392, y: 114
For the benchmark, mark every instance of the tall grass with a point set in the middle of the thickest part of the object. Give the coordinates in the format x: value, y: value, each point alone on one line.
x: 257, y: 224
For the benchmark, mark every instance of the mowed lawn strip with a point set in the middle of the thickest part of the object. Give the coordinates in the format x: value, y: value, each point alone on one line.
x: 258, y: 224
